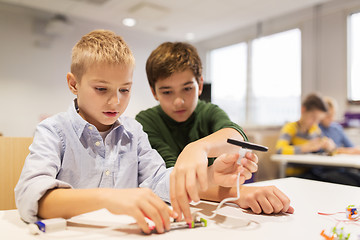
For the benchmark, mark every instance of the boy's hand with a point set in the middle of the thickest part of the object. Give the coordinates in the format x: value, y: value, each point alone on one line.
x: 318, y: 144
x: 189, y: 174
x: 268, y: 199
x: 328, y: 144
x: 313, y: 145
x: 139, y: 203
x: 225, y: 169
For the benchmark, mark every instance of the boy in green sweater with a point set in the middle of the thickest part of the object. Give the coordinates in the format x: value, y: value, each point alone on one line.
x: 184, y: 128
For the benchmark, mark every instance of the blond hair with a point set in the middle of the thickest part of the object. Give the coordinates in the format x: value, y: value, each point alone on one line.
x: 331, y: 102
x: 99, y: 46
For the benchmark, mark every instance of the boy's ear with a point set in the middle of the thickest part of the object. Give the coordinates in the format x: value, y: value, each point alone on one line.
x: 72, y: 83
x: 201, y: 85
x: 154, y: 93
x: 303, y: 109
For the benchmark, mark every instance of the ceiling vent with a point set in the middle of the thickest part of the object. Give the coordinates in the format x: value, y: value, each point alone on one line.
x: 148, y: 11
x: 93, y: 2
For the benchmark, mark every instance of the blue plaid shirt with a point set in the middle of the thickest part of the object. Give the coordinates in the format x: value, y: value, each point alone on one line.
x: 69, y: 152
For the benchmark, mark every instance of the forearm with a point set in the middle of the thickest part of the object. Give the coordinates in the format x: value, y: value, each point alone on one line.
x: 216, y: 144
x: 347, y: 150
x: 66, y: 203
x: 217, y: 193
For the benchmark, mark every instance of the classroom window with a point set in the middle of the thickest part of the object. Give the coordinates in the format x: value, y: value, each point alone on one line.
x: 259, y: 82
x: 354, y: 58
x: 228, y: 74
x: 276, y: 78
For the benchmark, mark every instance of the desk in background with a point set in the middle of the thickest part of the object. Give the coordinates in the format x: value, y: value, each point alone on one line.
x: 307, y: 197
x: 340, y: 160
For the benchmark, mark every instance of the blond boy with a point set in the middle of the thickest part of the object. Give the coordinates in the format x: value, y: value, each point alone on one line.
x: 92, y: 157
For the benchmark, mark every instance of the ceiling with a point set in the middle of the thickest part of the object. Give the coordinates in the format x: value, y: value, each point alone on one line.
x: 175, y: 19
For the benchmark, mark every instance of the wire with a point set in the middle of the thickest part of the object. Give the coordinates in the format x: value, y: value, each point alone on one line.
x: 230, y: 199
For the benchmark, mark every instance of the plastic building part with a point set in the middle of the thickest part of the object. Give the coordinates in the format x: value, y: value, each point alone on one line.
x: 197, y: 222
x: 352, y: 212
x: 336, y: 234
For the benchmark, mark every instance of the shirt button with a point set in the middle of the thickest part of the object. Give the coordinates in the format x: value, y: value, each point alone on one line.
x: 90, y: 128
x: 107, y: 173
x: 97, y: 143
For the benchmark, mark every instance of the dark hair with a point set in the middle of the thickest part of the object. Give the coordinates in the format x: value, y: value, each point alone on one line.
x: 314, y: 102
x: 169, y: 58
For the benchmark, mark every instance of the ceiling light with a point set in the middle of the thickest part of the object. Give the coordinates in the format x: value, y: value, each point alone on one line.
x: 129, y: 22
x: 190, y: 36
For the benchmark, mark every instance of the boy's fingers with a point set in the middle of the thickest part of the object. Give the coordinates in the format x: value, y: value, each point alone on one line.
x: 140, y: 219
x: 191, y: 186
x: 249, y: 165
x: 173, y: 199
x: 246, y: 174
x: 265, y: 205
x: 163, y: 211
x: 254, y: 206
x: 290, y: 210
x: 252, y: 156
x: 284, y: 199
x: 182, y: 197
x: 276, y: 203
x: 202, y: 178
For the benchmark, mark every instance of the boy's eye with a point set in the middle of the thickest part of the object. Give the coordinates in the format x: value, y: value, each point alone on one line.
x: 100, y: 89
x: 124, y: 90
x: 166, y: 92
x: 188, y: 89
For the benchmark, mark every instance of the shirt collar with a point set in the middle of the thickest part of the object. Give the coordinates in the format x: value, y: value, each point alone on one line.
x: 79, y: 124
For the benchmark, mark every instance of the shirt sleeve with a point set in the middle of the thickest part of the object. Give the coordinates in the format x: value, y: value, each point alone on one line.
x: 344, y: 139
x: 152, y: 170
x: 39, y: 172
x: 283, y: 145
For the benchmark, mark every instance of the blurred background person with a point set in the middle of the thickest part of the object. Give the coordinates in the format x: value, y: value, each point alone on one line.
x: 335, y: 131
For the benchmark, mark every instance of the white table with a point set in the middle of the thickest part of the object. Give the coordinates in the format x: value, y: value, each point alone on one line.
x: 340, y: 160
x: 307, y: 196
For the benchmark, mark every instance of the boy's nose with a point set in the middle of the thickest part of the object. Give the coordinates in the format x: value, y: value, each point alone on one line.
x: 178, y: 101
x: 115, y: 98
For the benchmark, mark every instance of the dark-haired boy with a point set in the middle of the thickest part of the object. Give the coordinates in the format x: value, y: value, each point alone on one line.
x: 305, y: 136
x: 187, y: 132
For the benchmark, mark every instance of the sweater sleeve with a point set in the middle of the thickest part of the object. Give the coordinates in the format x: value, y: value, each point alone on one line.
x: 283, y: 145
x: 221, y: 120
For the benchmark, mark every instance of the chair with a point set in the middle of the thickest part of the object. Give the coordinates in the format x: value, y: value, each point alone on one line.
x: 268, y: 137
x: 13, y: 151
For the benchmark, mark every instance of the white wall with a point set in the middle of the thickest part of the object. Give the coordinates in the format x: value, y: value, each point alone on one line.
x: 33, y: 79
x: 33, y: 82
x: 324, y: 46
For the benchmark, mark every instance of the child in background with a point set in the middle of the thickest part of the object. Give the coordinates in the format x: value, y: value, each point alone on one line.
x: 335, y: 131
x: 304, y: 136
x: 92, y: 157
x: 182, y: 128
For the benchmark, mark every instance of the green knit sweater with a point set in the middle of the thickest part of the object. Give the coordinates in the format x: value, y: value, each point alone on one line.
x: 169, y: 137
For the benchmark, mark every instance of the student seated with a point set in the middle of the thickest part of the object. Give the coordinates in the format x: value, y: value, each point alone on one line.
x: 335, y: 131
x: 92, y: 157
x: 182, y: 128
x: 304, y: 135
